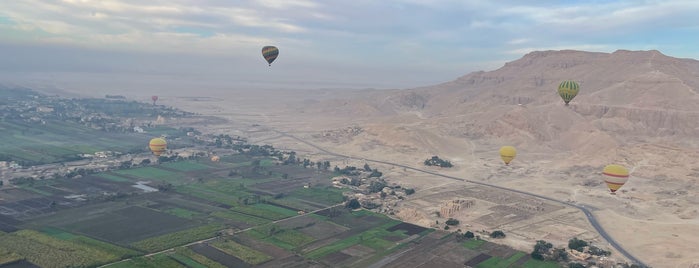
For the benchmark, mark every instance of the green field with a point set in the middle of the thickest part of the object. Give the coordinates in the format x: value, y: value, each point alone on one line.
x: 241, y: 218
x: 155, y: 173
x: 186, y: 166
x: 177, y: 238
x: 244, y: 253
x: 31, y: 143
x: 112, y: 177
x: 473, y: 243
x: 496, y: 262
x: 47, y: 251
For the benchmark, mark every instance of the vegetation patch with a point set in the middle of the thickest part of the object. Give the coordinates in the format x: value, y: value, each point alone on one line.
x: 241, y: 218
x: 178, y: 238
x: 112, y: 177
x: 266, y: 211
x: 244, y: 253
x: 7, y: 256
x: 496, y: 262
x: 147, y: 173
x: 185, y: 251
x: 47, y: 251
x: 185, y: 166
x: 160, y: 260
x: 473, y: 243
x: 182, y: 213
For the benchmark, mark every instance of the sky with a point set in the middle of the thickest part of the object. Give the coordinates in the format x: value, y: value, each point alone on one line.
x: 328, y: 43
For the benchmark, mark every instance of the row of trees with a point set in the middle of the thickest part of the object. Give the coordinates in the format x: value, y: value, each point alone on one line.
x: 436, y: 161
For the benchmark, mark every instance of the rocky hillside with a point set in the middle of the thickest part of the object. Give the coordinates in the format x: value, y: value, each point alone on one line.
x: 627, y: 99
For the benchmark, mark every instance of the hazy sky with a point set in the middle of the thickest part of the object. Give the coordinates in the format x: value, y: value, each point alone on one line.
x: 355, y: 43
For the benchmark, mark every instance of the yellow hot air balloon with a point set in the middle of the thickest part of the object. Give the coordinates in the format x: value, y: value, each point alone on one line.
x: 157, y: 146
x: 507, y: 153
x: 215, y: 158
x: 615, y: 176
x: 568, y: 90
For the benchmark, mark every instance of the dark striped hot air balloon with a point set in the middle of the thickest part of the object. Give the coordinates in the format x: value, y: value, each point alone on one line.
x: 615, y: 176
x: 568, y: 90
x: 270, y: 53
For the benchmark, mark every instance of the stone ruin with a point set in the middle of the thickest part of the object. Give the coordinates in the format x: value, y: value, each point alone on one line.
x: 450, y: 208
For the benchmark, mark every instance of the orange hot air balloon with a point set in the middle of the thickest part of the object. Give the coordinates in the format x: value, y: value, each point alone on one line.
x: 615, y: 176
x: 507, y: 153
x: 154, y: 98
x: 157, y: 146
x: 215, y: 158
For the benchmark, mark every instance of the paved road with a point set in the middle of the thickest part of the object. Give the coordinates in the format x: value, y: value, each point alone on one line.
x: 590, y: 217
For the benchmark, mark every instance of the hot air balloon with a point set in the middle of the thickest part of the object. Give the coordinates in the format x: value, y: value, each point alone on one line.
x: 215, y: 158
x: 615, y: 176
x: 157, y: 146
x: 270, y: 53
x: 154, y: 98
x: 568, y: 90
x: 507, y: 153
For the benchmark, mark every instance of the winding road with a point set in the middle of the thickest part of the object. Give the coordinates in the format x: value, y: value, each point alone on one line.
x: 590, y: 217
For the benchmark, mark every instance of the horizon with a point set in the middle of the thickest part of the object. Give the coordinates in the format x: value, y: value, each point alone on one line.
x: 400, y: 44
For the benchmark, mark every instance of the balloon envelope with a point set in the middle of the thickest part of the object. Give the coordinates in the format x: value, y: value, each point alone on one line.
x: 615, y: 176
x: 507, y: 153
x: 270, y: 53
x: 568, y: 90
x: 157, y: 146
x: 154, y: 98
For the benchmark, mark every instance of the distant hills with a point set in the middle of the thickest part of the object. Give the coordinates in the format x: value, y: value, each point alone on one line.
x: 629, y: 100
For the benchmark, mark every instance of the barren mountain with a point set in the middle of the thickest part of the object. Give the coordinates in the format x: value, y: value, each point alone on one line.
x: 639, y: 109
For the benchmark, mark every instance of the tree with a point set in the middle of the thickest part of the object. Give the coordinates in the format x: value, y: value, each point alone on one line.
x: 376, y: 186
x: 598, y: 251
x: 576, y: 265
x: 540, y: 248
x: 469, y: 235
x: 497, y: 234
x: 375, y: 173
x: 452, y: 221
x: 366, y: 167
x: 409, y: 191
x: 353, y: 204
x: 559, y: 254
x: 145, y: 162
x: 577, y: 244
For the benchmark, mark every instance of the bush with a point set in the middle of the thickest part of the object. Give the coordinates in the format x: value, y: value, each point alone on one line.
x: 436, y: 161
x: 577, y: 244
x: 353, y: 204
x: 409, y: 191
x: 497, y: 234
x: 452, y: 221
x: 469, y: 235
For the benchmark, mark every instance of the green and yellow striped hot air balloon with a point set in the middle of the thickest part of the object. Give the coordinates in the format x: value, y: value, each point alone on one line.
x: 568, y: 90
x: 270, y: 53
x: 615, y: 176
x: 507, y: 153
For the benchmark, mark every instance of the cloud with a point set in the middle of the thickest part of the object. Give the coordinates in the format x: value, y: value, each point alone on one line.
x: 392, y: 38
